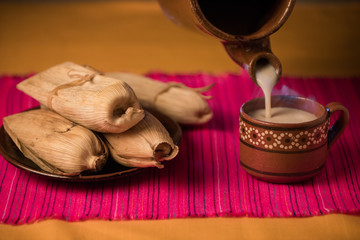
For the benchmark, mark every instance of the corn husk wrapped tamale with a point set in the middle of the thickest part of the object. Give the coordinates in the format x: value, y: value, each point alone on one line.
x: 183, y: 104
x: 146, y: 144
x: 83, y: 96
x: 56, y: 144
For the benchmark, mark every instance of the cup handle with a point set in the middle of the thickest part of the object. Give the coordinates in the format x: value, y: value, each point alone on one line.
x: 340, y: 124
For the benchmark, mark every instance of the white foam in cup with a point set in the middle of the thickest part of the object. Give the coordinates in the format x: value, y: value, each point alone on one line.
x: 283, y: 115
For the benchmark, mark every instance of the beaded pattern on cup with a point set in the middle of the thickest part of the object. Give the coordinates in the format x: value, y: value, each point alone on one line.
x: 284, y: 140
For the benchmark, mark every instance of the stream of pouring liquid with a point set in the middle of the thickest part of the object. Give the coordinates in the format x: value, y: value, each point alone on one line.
x: 266, y: 79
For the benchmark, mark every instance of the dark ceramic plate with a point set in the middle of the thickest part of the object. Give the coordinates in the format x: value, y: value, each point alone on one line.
x: 111, y: 170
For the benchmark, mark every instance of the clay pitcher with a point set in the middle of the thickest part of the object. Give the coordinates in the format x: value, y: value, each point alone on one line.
x: 242, y: 26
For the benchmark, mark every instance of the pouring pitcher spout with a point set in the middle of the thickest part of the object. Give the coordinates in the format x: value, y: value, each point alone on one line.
x: 252, y: 55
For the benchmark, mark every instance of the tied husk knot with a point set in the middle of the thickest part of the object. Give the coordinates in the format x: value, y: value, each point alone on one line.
x: 169, y: 85
x: 81, y: 80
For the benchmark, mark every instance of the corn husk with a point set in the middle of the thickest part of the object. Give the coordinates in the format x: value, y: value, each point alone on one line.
x: 183, y: 104
x: 146, y: 144
x: 83, y: 96
x: 56, y: 144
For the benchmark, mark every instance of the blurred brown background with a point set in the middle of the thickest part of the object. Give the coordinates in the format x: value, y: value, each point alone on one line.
x: 320, y: 38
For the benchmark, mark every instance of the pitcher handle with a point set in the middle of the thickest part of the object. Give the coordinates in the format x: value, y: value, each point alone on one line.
x: 340, y: 124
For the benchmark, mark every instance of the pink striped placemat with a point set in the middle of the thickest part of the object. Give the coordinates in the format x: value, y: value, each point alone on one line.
x: 205, y: 179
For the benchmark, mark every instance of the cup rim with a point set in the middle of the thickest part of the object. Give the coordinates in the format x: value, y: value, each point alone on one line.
x: 321, y: 115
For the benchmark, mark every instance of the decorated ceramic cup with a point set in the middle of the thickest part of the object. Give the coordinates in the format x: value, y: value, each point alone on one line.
x: 288, y: 152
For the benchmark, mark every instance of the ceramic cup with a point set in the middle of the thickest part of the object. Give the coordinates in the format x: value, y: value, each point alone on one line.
x: 284, y: 152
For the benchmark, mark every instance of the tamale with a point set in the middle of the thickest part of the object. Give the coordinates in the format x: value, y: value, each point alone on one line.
x: 184, y: 104
x: 83, y: 96
x: 56, y: 144
x: 146, y: 144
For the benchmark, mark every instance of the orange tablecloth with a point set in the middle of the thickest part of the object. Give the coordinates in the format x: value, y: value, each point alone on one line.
x: 317, y: 40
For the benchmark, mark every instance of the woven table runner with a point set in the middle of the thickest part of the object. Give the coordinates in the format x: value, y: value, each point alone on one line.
x: 206, y: 178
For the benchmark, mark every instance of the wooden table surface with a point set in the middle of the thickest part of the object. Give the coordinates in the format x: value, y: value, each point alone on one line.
x: 317, y: 40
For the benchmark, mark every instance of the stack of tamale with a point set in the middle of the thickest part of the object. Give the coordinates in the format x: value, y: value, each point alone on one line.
x: 86, y: 116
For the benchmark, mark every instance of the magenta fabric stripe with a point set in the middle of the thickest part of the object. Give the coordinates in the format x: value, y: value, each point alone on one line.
x: 206, y: 178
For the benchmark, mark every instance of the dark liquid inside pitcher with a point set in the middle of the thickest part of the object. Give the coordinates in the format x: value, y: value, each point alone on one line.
x: 240, y: 17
